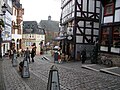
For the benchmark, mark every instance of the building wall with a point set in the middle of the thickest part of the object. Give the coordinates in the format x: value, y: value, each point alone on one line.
x: 80, y: 19
x: 17, y: 22
x: 35, y: 38
x: 6, y: 33
x: 110, y: 30
x: 50, y: 35
x: 39, y: 38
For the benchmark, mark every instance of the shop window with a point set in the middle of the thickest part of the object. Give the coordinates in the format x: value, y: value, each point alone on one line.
x: 116, y: 36
x: 105, y: 36
x: 109, y: 9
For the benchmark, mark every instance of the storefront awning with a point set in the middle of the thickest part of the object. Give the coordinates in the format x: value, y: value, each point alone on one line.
x: 59, y: 38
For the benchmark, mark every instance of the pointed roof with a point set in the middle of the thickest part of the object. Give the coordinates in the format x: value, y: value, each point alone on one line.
x: 49, y: 25
x: 31, y: 27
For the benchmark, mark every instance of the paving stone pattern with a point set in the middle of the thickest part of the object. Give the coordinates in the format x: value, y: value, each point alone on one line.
x: 13, y: 80
x: 116, y: 70
x: 72, y: 77
x: 2, y: 85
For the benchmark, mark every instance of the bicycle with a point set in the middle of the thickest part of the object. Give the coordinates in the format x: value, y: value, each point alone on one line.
x: 104, y: 60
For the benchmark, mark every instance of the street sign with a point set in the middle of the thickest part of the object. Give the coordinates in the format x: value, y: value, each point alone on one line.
x: 53, y: 80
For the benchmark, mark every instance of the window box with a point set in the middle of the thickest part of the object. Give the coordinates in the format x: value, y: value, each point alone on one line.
x: 2, y: 23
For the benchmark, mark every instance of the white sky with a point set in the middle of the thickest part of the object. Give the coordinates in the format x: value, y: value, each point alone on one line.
x: 37, y: 10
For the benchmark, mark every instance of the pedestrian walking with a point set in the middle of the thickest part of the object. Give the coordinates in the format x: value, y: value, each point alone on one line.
x: 59, y: 56
x: 83, y: 56
x: 22, y: 52
x: 27, y: 54
x: 11, y: 53
x: 33, y: 53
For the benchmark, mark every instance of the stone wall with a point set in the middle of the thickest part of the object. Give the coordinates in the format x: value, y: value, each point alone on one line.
x: 89, y: 49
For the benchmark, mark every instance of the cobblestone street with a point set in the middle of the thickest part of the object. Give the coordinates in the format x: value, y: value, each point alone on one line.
x: 72, y: 77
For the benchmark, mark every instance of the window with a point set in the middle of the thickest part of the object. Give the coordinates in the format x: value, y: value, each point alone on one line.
x: 109, y: 9
x: 29, y: 43
x: 9, y: 2
x: 105, y: 36
x: 116, y: 36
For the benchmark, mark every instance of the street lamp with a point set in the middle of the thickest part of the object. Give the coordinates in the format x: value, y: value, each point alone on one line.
x: 3, y: 13
x: 3, y: 10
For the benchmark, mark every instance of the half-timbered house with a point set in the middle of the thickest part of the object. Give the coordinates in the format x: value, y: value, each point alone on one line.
x: 80, y: 21
x: 110, y: 30
x: 110, y: 27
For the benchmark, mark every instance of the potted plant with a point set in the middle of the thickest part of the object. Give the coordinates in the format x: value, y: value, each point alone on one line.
x: 2, y: 23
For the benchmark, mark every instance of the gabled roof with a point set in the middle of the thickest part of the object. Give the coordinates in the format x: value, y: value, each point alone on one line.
x: 49, y: 25
x: 31, y: 27
x: 17, y: 3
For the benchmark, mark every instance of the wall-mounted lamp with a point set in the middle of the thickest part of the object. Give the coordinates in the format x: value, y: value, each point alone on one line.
x: 4, y: 8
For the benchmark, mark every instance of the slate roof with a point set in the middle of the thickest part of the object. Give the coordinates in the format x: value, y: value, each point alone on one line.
x: 17, y: 3
x: 49, y: 25
x: 28, y: 25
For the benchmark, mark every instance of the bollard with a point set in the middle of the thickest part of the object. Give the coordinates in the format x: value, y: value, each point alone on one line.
x: 14, y: 60
x: 25, y: 71
x: 53, y: 80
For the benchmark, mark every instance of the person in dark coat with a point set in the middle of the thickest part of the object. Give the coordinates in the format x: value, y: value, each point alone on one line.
x: 33, y: 53
x: 21, y: 66
x: 83, y: 56
x: 27, y: 54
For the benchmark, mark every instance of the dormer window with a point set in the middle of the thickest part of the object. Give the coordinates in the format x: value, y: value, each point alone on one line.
x: 109, y: 8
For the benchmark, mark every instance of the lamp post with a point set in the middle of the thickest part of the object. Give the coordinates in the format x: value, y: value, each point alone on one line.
x: 3, y: 13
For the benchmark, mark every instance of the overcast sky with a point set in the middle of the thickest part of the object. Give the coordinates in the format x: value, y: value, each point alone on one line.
x: 36, y: 10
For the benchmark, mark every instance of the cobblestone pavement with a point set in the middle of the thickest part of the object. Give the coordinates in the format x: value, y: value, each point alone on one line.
x: 2, y: 87
x: 72, y: 77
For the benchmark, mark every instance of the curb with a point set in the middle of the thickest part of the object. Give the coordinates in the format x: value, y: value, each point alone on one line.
x: 87, y: 67
x: 104, y: 70
x: 109, y: 72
